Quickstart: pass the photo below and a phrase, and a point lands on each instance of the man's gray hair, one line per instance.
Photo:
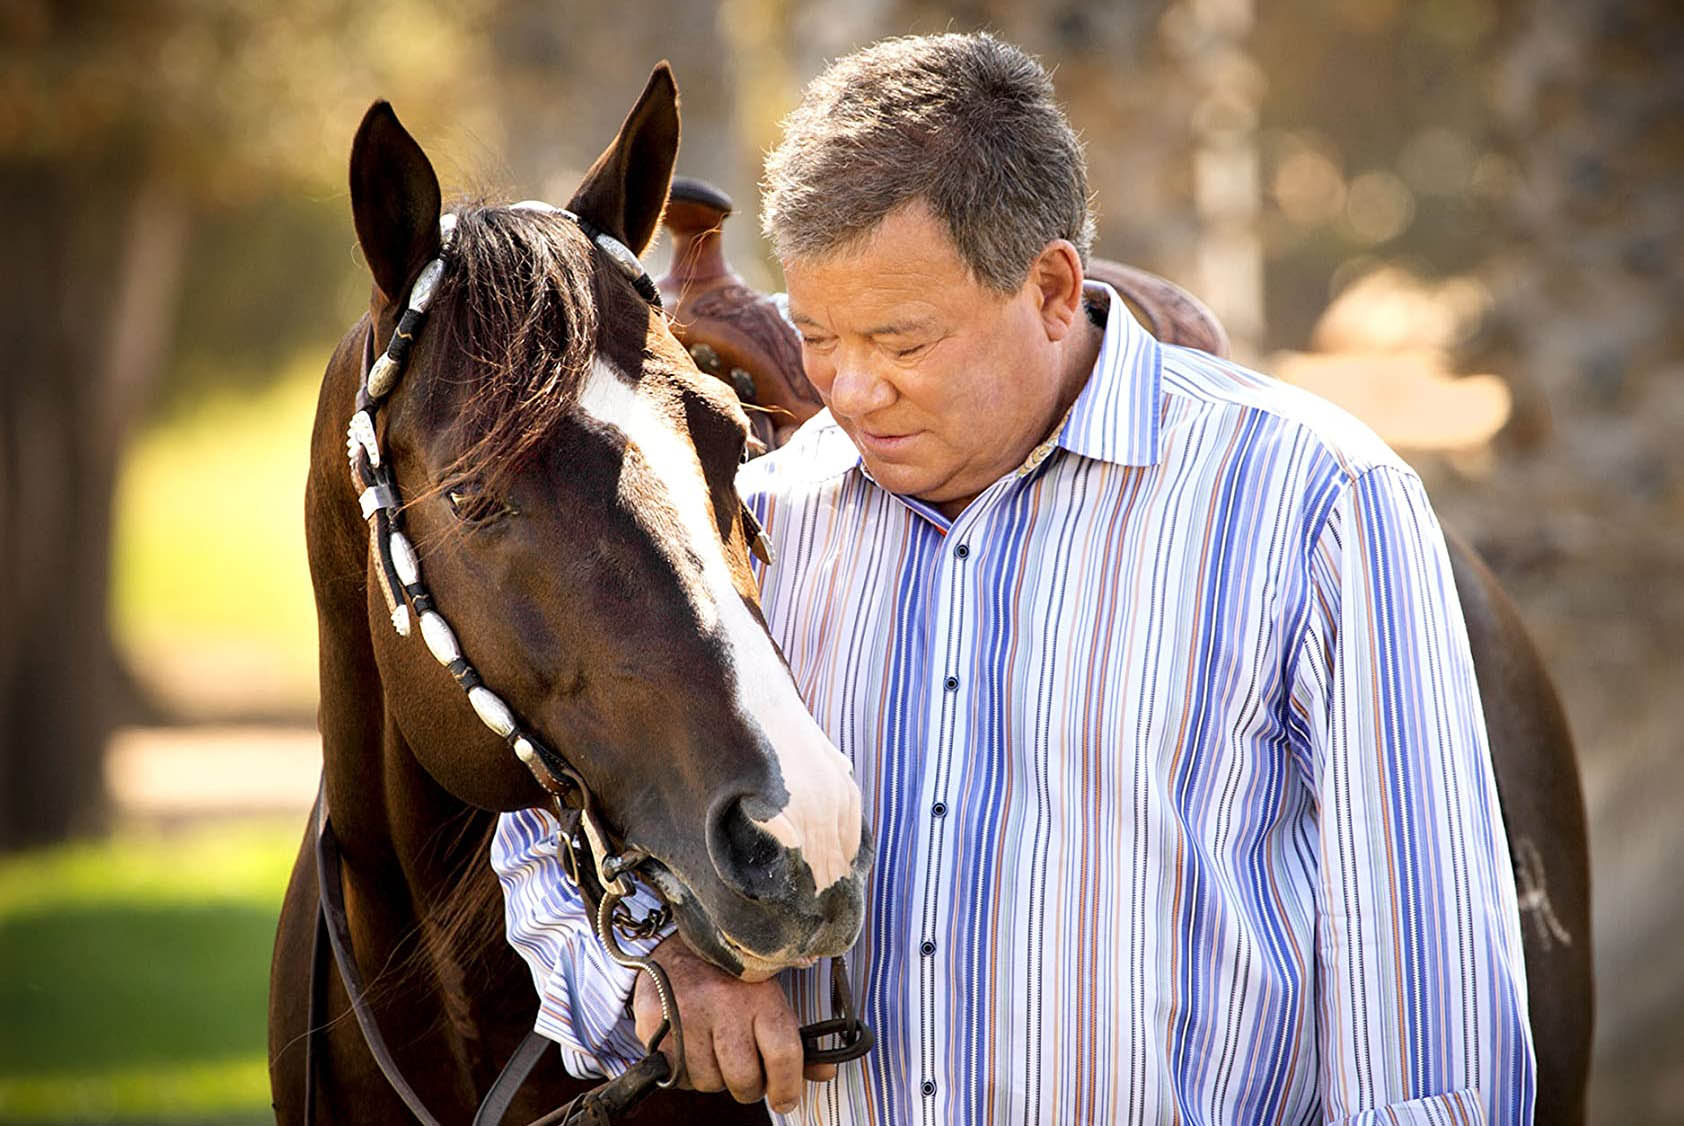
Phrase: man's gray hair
(966, 123)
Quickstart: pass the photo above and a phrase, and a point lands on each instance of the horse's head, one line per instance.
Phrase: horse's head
(567, 477)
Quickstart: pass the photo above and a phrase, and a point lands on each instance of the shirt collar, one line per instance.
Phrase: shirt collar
(1114, 418)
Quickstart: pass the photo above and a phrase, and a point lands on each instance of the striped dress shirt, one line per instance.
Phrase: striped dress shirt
(1174, 759)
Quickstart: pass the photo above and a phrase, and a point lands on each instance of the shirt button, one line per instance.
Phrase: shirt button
(929, 1088)
(963, 551)
(927, 949)
(939, 809)
(951, 683)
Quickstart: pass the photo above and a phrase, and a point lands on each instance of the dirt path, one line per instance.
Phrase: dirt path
(173, 774)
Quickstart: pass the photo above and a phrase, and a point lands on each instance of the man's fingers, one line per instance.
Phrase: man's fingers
(702, 1063)
(740, 1037)
(739, 1062)
(779, 1042)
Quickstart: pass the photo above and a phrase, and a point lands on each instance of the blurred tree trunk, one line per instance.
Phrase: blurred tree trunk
(561, 96)
(1585, 515)
(90, 296)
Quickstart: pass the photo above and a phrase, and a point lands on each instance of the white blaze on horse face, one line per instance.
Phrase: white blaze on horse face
(821, 819)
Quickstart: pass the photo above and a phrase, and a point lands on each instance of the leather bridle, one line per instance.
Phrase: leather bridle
(602, 871)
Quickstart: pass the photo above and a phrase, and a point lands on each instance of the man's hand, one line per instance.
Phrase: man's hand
(738, 1036)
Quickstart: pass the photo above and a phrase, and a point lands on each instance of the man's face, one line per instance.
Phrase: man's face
(944, 384)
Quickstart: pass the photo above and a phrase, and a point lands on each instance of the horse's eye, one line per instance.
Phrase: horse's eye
(471, 505)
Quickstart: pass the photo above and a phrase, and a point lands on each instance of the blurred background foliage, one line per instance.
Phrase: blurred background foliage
(1463, 219)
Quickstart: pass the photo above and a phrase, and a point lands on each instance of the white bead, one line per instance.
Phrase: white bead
(439, 638)
(400, 620)
(447, 228)
(492, 710)
(360, 436)
(383, 376)
(534, 205)
(404, 560)
(525, 751)
(622, 255)
(421, 293)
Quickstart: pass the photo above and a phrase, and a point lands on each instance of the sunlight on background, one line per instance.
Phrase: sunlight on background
(1413, 209)
(212, 596)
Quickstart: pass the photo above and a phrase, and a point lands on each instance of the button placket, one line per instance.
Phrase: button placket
(952, 633)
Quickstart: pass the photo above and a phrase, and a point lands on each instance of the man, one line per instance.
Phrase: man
(1151, 671)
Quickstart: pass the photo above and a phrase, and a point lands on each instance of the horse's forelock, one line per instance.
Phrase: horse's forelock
(515, 331)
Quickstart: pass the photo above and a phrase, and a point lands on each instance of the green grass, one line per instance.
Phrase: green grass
(134, 976)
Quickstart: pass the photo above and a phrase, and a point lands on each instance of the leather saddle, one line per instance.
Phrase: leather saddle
(740, 336)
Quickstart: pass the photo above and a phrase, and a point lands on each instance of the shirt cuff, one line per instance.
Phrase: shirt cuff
(585, 1005)
(1458, 1108)
(582, 992)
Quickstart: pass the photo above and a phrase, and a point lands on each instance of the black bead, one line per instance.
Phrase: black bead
(939, 809)
(927, 949)
(464, 674)
(963, 551)
(403, 339)
(929, 1088)
(646, 289)
(951, 683)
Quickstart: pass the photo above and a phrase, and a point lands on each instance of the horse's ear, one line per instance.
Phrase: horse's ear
(394, 199)
(626, 189)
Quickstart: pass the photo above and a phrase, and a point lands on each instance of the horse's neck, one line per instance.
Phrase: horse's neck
(425, 914)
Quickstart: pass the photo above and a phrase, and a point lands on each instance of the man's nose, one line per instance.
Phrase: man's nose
(857, 390)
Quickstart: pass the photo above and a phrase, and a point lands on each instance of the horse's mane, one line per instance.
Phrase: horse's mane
(517, 314)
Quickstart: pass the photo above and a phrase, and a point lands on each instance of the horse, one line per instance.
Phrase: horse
(589, 640)
(739, 337)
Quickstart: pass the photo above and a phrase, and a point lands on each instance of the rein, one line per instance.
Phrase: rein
(602, 874)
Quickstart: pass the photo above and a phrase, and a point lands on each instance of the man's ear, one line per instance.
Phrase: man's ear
(394, 200)
(626, 189)
(1056, 278)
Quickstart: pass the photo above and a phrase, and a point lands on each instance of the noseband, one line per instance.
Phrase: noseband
(602, 873)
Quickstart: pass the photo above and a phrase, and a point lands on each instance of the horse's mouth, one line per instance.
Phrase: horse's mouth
(708, 936)
(756, 968)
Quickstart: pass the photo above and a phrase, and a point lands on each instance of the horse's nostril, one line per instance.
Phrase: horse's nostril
(747, 858)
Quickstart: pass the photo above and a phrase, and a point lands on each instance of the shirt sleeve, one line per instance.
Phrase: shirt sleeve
(583, 994)
(1421, 981)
